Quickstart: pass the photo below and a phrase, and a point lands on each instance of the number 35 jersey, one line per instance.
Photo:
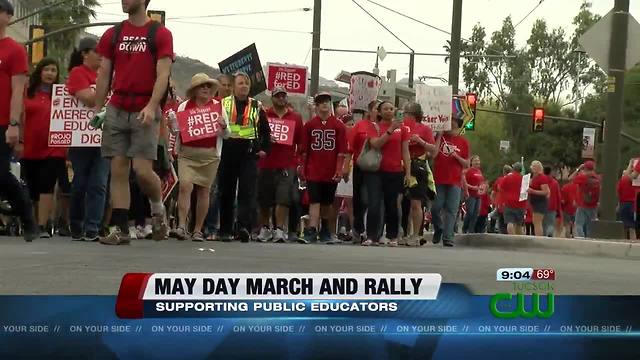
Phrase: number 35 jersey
(323, 142)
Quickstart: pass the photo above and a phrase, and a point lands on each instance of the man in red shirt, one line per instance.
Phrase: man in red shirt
(421, 147)
(473, 179)
(324, 147)
(626, 202)
(587, 198)
(277, 170)
(497, 198)
(13, 78)
(452, 159)
(569, 191)
(137, 56)
(554, 206)
(514, 210)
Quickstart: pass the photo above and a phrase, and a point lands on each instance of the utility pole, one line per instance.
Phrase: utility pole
(454, 59)
(610, 165)
(315, 47)
(412, 58)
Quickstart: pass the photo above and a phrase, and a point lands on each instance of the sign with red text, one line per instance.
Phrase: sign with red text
(282, 130)
(69, 126)
(171, 148)
(292, 77)
(363, 89)
(436, 103)
(169, 183)
(199, 123)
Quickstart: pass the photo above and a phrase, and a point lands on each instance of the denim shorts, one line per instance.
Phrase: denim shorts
(513, 216)
(627, 215)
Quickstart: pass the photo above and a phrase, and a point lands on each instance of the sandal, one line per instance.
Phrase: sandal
(197, 236)
(180, 234)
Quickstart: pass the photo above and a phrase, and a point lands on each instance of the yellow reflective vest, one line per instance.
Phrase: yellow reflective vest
(246, 130)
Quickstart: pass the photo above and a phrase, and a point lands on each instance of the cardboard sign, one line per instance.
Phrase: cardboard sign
(524, 187)
(199, 123)
(292, 77)
(247, 61)
(282, 130)
(345, 189)
(436, 105)
(169, 183)
(505, 145)
(69, 126)
(588, 143)
(363, 90)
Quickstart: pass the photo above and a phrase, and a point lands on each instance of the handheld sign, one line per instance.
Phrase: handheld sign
(292, 77)
(247, 61)
(199, 123)
(282, 130)
(69, 126)
(363, 89)
(436, 105)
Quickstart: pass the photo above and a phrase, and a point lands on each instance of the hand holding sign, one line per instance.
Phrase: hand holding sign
(282, 130)
(200, 123)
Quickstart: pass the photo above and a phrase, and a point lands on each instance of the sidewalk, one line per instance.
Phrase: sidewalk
(583, 247)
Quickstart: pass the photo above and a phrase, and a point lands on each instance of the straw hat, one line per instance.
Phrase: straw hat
(201, 79)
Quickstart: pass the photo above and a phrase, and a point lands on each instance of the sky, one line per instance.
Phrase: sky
(344, 26)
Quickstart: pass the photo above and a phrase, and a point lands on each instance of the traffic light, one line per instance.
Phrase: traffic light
(538, 120)
(472, 100)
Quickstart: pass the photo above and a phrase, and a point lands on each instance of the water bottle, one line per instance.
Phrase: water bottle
(173, 121)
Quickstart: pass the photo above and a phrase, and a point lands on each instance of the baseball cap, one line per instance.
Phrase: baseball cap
(321, 95)
(6, 6)
(278, 90)
(87, 44)
(589, 165)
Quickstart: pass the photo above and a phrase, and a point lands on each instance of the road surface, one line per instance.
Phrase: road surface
(61, 267)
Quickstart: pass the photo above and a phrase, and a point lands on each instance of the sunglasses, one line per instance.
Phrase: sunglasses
(206, 85)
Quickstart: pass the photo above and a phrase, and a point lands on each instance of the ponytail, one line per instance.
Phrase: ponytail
(76, 59)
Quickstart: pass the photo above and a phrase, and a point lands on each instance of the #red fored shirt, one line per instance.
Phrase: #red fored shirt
(283, 156)
(322, 142)
(424, 132)
(357, 135)
(447, 170)
(134, 70)
(626, 191)
(13, 61)
(80, 78)
(510, 191)
(392, 150)
(474, 177)
(37, 117)
(569, 193)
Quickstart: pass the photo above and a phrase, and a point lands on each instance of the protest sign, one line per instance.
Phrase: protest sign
(247, 61)
(524, 187)
(169, 183)
(363, 90)
(199, 123)
(588, 143)
(292, 77)
(345, 189)
(505, 145)
(69, 126)
(436, 105)
(282, 130)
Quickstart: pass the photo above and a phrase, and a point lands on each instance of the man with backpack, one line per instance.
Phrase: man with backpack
(587, 198)
(137, 56)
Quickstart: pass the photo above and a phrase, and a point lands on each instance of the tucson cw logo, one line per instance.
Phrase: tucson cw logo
(520, 310)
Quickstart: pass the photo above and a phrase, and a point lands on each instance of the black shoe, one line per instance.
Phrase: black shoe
(225, 238)
(310, 235)
(64, 231)
(437, 237)
(31, 232)
(243, 235)
(447, 243)
(91, 237)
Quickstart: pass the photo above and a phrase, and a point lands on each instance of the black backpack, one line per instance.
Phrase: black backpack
(151, 45)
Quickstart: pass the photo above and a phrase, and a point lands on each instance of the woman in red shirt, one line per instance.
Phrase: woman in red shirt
(473, 179)
(42, 165)
(539, 192)
(198, 159)
(386, 184)
(626, 203)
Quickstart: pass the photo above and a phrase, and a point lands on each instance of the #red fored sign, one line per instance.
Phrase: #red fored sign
(292, 77)
(199, 123)
(282, 130)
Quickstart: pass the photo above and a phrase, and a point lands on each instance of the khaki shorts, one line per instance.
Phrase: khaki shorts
(198, 166)
(124, 135)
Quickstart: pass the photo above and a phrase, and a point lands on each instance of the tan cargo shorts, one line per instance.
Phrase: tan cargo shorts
(124, 135)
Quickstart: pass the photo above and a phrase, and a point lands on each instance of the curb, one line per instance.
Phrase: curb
(582, 247)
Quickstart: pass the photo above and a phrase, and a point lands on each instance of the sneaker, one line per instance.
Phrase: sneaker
(325, 236)
(146, 232)
(310, 235)
(44, 234)
(293, 237)
(133, 233)
(279, 237)
(180, 234)
(346, 237)
(115, 237)
(89, 237)
(393, 243)
(384, 241)
(404, 241)
(197, 237)
(243, 235)
(265, 235)
(159, 227)
(76, 237)
(437, 236)
(226, 238)
(367, 243)
(64, 231)
(447, 243)
(413, 241)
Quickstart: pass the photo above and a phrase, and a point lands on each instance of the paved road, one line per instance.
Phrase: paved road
(60, 266)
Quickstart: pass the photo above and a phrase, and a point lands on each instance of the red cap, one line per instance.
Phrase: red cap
(589, 165)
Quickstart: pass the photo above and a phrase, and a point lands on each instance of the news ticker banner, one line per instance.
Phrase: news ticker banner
(456, 324)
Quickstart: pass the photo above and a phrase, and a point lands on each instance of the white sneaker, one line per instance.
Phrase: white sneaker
(412, 241)
(279, 236)
(404, 241)
(133, 233)
(265, 235)
(146, 232)
(383, 241)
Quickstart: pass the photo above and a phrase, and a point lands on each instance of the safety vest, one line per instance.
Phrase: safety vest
(247, 130)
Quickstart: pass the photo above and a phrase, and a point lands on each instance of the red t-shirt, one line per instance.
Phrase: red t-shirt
(447, 170)
(37, 117)
(555, 201)
(510, 190)
(322, 142)
(13, 61)
(581, 180)
(537, 182)
(474, 178)
(425, 134)
(202, 143)
(358, 134)
(392, 150)
(81, 78)
(498, 201)
(626, 191)
(283, 156)
(134, 70)
(485, 204)
(569, 193)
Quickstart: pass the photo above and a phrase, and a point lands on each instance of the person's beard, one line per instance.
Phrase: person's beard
(134, 8)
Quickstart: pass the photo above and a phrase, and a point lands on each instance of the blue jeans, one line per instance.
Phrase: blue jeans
(88, 190)
(470, 219)
(584, 217)
(445, 210)
(549, 223)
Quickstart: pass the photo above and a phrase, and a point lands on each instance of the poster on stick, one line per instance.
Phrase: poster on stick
(247, 61)
(282, 130)
(524, 187)
(436, 105)
(199, 123)
(292, 77)
(69, 125)
(588, 143)
(363, 90)
(169, 183)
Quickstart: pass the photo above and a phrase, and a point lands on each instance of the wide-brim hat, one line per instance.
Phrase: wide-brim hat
(201, 79)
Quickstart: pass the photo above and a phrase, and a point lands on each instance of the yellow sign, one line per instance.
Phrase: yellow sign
(37, 50)
(157, 15)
